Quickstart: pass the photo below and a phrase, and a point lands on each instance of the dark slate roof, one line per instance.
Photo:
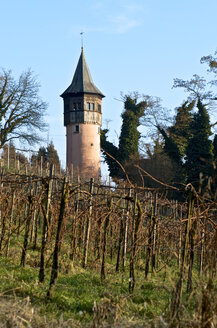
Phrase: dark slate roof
(82, 80)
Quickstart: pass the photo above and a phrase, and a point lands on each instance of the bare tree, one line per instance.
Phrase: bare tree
(196, 87)
(21, 109)
(211, 61)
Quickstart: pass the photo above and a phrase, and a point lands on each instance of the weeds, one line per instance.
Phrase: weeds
(98, 256)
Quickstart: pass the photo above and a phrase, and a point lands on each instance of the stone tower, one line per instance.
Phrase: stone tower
(82, 118)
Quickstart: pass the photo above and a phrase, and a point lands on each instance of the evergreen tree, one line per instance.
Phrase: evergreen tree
(176, 139)
(199, 152)
(215, 166)
(172, 150)
(52, 155)
(180, 132)
(48, 155)
(171, 147)
(42, 152)
(215, 147)
(129, 136)
(128, 140)
(110, 153)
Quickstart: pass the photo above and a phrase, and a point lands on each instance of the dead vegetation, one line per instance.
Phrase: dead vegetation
(19, 313)
(135, 241)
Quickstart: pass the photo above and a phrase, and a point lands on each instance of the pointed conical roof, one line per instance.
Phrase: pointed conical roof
(82, 80)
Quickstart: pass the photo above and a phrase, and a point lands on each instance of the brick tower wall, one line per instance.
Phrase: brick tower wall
(83, 149)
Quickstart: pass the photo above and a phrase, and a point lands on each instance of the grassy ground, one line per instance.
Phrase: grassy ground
(80, 298)
(77, 292)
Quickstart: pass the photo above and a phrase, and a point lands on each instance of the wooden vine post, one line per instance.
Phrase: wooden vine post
(151, 242)
(126, 223)
(55, 265)
(88, 224)
(135, 228)
(27, 231)
(10, 224)
(106, 223)
(154, 237)
(46, 213)
(177, 294)
(120, 241)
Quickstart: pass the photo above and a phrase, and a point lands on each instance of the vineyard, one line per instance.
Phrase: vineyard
(102, 254)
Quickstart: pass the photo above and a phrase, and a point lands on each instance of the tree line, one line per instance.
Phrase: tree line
(183, 151)
(14, 159)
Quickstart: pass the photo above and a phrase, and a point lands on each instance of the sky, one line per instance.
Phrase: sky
(129, 45)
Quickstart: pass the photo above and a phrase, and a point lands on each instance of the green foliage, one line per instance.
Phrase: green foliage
(129, 137)
(215, 147)
(158, 166)
(170, 147)
(110, 153)
(176, 139)
(52, 156)
(188, 138)
(42, 153)
(180, 132)
(175, 166)
(177, 136)
(199, 152)
(48, 155)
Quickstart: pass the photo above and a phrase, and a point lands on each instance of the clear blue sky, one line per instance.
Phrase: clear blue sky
(130, 45)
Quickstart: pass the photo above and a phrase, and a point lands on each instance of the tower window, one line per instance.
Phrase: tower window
(99, 108)
(90, 106)
(74, 106)
(76, 129)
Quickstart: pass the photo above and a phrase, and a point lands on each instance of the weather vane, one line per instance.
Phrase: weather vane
(81, 34)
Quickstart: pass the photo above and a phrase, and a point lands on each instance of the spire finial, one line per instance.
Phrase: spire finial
(82, 46)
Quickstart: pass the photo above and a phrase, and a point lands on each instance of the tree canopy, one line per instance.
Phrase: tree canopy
(128, 148)
(46, 155)
(199, 151)
(21, 109)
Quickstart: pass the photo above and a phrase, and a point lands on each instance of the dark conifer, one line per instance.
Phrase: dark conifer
(180, 132)
(128, 140)
(199, 152)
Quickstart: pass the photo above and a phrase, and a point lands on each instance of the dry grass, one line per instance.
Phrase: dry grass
(19, 313)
